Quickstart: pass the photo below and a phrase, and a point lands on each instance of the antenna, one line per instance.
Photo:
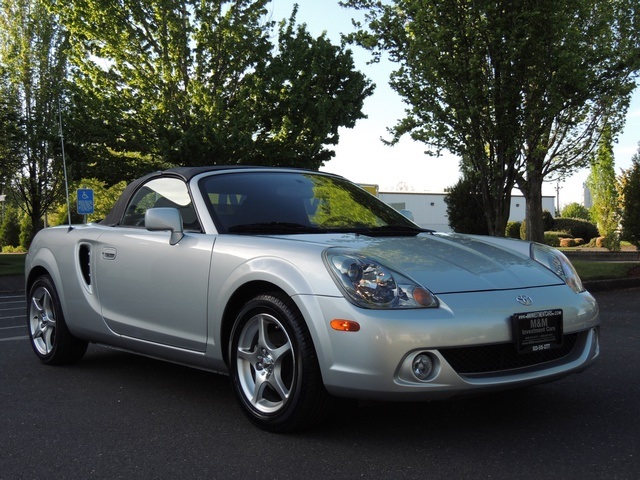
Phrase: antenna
(64, 167)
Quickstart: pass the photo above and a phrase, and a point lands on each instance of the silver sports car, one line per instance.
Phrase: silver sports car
(303, 288)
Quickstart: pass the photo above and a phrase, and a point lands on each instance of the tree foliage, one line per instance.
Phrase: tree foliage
(185, 82)
(602, 183)
(518, 89)
(464, 208)
(575, 210)
(630, 192)
(33, 58)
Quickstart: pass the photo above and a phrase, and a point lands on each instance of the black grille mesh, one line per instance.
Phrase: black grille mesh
(501, 357)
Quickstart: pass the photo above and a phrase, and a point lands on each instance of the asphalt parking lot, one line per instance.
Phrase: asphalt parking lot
(117, 415)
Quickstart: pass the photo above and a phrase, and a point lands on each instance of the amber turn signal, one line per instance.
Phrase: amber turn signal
(345, 325)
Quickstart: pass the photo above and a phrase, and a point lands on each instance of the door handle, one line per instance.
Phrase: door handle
(109, 253)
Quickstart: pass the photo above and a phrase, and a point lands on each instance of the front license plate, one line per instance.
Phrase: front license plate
(537, 331)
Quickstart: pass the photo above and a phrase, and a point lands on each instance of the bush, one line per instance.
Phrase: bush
(552, 239)
(513, 230)
(547, 220)
(12, 249)
(10, 235)
(560, 233)
(610, 242)
(576, 227)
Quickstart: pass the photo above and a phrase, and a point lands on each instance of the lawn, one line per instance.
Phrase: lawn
(12, 264)
(589, 270)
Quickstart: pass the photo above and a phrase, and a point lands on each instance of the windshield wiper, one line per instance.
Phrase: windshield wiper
(274, 228)
(392, 231)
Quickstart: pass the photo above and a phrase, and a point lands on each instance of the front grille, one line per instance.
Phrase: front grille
(502, 356)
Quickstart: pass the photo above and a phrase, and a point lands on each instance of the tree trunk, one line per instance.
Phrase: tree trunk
(532, 191)
(496, 209)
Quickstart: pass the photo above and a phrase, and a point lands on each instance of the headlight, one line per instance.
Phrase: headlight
(370, 284)
(556, 261)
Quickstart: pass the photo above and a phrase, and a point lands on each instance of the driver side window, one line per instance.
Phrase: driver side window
(162, 192)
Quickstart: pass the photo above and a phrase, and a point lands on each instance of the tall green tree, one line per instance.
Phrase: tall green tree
(186, 82)
(602, 184)
(518, 89)
(630, 193)
(10, 133)
(33, 58)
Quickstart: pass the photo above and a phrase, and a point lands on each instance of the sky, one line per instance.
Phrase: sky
(363, 158)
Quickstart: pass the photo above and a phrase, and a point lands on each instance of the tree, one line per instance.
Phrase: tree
(630, 192)
(575, 210)
(10, 134)
(517, 89)
(185, 82)
(603, 186)
(104, 199)
(33, 59)
(464, 207)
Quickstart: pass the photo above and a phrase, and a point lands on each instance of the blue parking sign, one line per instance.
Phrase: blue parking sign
(85, 201)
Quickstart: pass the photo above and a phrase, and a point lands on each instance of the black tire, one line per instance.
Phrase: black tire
(273, 366)
(50, 338)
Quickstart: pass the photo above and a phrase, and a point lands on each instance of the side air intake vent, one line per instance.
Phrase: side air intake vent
(84, 257)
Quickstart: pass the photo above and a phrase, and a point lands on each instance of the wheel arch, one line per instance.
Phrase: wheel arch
(305, 304)
(44, 263)
(239, 298)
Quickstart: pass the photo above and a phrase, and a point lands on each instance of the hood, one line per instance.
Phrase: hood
(449, 263)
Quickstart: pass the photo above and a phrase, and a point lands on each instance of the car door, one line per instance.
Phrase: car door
(149, 289)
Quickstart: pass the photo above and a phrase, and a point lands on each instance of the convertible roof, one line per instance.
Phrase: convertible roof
(186, 173)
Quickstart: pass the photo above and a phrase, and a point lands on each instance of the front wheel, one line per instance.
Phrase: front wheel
(50, 338)
(273, 366)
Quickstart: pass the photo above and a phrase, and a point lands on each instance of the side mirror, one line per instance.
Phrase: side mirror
(165, 218)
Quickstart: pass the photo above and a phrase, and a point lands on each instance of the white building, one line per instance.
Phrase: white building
(429, 210)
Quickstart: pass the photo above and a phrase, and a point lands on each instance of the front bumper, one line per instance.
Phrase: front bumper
(459, 337)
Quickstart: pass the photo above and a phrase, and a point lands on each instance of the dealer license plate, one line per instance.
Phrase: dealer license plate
(537, 331)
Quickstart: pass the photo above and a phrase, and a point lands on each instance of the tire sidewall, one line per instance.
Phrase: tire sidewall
(65, 347)
(275, 306)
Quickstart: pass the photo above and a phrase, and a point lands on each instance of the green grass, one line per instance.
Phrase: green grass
(589, 270)
(12, 264)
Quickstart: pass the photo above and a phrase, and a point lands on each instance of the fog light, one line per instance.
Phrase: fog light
(422, 366)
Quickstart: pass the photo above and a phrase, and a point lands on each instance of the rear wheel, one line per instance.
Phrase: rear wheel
(50, 338)
(273, 366)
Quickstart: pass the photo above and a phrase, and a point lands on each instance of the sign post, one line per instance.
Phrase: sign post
(85, 202)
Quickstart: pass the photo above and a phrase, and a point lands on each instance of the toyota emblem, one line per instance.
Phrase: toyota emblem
(524, 300)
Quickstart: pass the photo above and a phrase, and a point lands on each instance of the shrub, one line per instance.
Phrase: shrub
(552, 239)
(513, 230)
(561, 233)
(610, 242)
(547, 220)
(10, 235)
(12, 249)
(576, 227)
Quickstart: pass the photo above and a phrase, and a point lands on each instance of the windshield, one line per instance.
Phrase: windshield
(292, 202)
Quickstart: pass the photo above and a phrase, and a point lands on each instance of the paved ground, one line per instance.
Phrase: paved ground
(116, 415)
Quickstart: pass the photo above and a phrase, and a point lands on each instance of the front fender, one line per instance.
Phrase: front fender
(283, 275)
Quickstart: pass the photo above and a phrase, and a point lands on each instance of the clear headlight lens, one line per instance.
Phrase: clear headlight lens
(558, 263)
(370, 284)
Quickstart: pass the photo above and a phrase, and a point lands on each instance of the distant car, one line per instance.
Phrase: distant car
(303, 287)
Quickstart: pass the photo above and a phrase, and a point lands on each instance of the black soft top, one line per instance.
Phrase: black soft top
(185, 173)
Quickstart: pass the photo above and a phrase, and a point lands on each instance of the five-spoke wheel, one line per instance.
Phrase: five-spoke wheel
(50, 338)
(273, 365)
